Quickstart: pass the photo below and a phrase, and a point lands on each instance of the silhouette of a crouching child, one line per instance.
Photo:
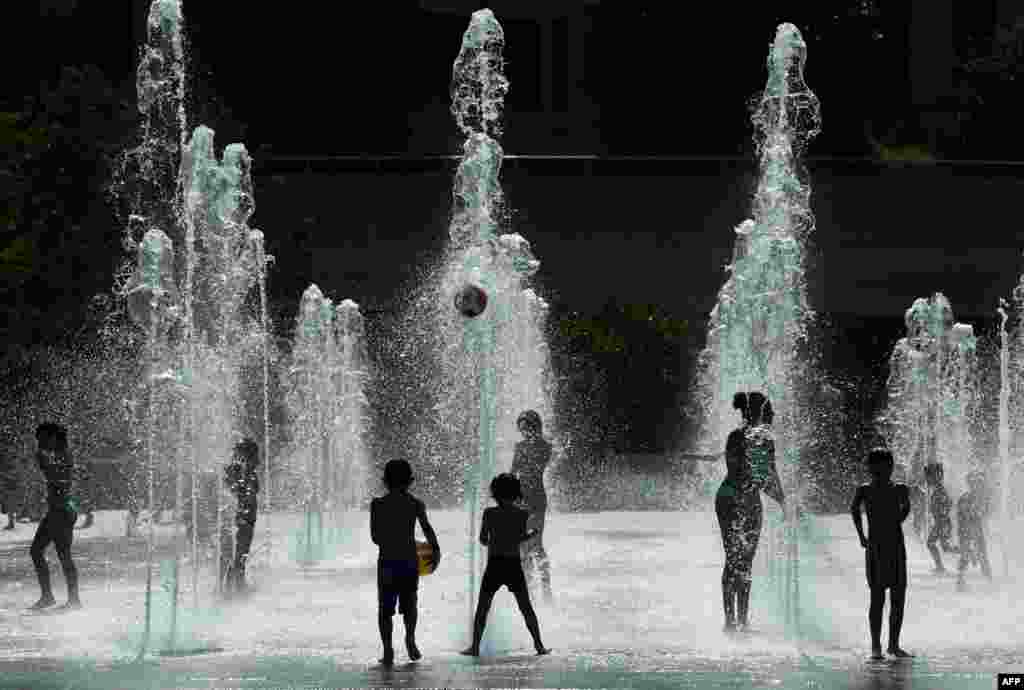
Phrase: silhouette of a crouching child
(887, 505)
(392, 527)
(502, 530)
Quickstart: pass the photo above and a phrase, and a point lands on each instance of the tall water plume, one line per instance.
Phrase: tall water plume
(757, 331)
(191, 292)
(327, 464)
(488, 368)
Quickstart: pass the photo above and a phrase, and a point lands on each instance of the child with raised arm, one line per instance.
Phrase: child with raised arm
(502, 530)
(392, 527)
(940, 505)
(887, 505)
(58, 524)
(971, 510)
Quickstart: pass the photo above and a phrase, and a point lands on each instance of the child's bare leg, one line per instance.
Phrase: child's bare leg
(409, 616)
(483, 606)
(897, 598)
(385, 625)
(541, 564)
(743, 601)
(729, 598)
(875, 621)
(933, 549)
(982, 547)
(530, 616)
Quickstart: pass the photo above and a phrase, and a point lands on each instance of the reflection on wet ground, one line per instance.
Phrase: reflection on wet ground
(636, 607)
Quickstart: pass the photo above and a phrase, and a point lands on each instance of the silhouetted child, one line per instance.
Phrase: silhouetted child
(750, 469)
(58, 524)
(532, 456)
(392, 527)
(887, 506)
(971, 510)
(502, 530)
(940, 505)
(242, 480)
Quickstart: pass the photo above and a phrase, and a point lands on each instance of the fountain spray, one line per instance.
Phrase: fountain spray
(185, 198)
(485, 379)
(757, 330)
(1004, 434)
(931, 396)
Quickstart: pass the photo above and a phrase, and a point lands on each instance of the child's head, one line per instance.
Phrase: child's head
(880, 463)
(52, 436)
(506, 487)
(397, 474)
(739, 402)
(933, 473)
(755, 407)
(529, 423)
(247, 452)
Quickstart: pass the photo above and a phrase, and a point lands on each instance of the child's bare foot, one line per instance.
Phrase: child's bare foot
(897, 652)
(876, 653)
(541, 650)
(43, 603)
(412, 649)
(470, 651)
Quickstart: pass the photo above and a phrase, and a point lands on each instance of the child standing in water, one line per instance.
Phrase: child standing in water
(502, 530)
(887, 506)
(971, 510)
(750, 467)
(942, 525)
(392, 527)
(58, 524)
(532, 456)
(242, 480)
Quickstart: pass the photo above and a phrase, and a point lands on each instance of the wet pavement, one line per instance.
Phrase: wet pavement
(637, 606)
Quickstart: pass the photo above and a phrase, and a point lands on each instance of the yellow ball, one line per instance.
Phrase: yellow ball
(423, 552)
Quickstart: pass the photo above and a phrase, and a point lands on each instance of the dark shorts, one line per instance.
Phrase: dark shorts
(397, 581)
(58, 527)
(503, 570)
(886, 562)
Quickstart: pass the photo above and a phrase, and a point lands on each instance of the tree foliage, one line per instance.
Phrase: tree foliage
(58, 236)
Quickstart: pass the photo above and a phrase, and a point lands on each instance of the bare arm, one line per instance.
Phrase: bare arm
(518, 459)
(374, 520)
(904, 499)
(734, 450)
(485, 533)
(773, 485)
(428, 529)
(855, 510)
(527, 533)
